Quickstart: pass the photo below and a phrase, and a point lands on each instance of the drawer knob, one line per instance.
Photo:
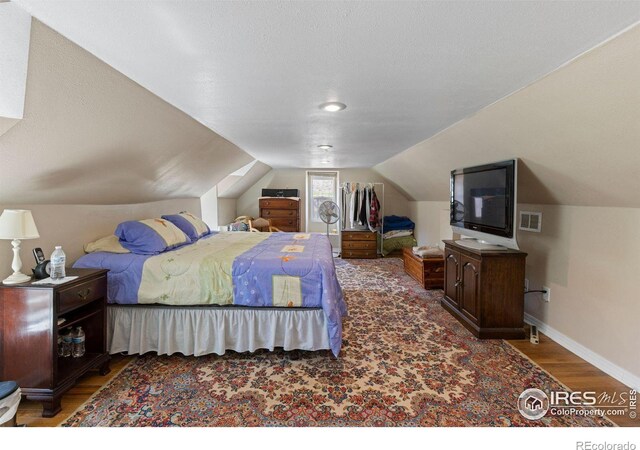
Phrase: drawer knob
(84, 294)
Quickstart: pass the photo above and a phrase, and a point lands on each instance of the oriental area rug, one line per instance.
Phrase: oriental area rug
(405, 362)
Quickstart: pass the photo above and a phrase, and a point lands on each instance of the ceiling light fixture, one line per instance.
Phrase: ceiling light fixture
(325, 146)
(332, 106)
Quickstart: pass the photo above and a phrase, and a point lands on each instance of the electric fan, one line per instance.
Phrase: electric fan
(329, 213)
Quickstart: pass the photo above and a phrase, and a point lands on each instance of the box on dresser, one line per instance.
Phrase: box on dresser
(29, 316)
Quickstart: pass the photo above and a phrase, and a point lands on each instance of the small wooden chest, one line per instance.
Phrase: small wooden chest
(429, 272)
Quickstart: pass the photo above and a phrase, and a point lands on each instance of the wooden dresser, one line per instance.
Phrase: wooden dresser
(29, 316)
(485, 290)
(283, 212)
(429, 272)
(359, 244)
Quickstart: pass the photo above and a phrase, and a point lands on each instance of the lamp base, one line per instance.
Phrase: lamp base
(16, 278)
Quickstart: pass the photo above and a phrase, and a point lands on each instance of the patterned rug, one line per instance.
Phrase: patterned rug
(405, 362)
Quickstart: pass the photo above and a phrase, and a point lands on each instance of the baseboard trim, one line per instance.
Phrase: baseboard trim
(617, 372)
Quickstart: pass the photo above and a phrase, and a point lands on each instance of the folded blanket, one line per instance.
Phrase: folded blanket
(427, 252)
(397, 233)
(397, 243)
(392, 223)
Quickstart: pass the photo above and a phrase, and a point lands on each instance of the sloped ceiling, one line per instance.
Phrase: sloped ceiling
(577, 132)
(234, 186)
(90, 135)
(256, 71)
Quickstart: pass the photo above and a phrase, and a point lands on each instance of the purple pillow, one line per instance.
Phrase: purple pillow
(150, 236)
(191, 225)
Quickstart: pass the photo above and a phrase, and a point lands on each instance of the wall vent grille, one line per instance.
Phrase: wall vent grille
(531, 221)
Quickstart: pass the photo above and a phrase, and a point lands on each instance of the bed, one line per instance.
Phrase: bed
(227, 291)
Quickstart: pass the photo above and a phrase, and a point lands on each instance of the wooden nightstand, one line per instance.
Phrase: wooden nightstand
(29, 334)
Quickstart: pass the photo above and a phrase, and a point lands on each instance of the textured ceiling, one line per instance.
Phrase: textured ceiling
(255, 72)
(90, 135)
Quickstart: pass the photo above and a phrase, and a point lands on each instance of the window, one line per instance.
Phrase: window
(321, 187)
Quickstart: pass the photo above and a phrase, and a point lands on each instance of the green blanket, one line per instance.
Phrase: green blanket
(389, 245)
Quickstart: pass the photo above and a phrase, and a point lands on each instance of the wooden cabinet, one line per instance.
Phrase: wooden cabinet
(283, 212)
(29, 316)
(429, 272)
(359, 244)
(485, 290)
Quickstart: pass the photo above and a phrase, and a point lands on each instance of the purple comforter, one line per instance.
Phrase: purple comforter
(306, 273)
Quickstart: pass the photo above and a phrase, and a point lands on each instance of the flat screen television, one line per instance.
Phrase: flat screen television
(483, 202)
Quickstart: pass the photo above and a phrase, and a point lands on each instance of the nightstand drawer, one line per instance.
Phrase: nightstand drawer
(363, 245)
(81, 294)
(359, 254)
(278, 203)
(358, 236)
(279, 213)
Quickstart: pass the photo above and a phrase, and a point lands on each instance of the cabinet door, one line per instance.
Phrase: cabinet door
(470, 294)
(451, 272)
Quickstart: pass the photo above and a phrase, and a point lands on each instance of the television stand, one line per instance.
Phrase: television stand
(484, 290)
(475, 244)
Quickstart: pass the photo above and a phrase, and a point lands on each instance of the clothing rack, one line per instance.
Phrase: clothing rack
(375, 185)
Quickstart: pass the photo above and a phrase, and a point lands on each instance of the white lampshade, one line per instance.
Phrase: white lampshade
(17, 224)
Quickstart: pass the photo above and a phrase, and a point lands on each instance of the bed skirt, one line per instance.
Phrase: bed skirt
(203, 330)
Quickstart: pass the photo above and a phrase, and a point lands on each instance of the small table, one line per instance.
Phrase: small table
(429, 272)
(32, 316)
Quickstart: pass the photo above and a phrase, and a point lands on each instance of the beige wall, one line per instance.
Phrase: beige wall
(589, 257)
(432, 222)
(74, 225)
(226, 210)
(247, 204)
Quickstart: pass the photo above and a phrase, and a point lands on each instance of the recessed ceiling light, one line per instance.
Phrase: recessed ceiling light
(332, 106)
(325, 146)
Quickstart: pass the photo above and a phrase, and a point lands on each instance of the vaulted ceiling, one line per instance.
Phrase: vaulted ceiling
(134, 101)
(255, 72)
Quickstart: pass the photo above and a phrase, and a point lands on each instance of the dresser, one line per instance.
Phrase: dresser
(284, 213)
(31, 317)
(359, 244)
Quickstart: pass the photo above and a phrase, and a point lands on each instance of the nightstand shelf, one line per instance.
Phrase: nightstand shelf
(29, 326)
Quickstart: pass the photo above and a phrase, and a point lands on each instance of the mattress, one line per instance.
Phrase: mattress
(247, 269)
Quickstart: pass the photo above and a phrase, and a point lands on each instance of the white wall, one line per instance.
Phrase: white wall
(432, 222)
(209, 207)
(226, 210)
(590, 258)
(72, 226)
(394, 201)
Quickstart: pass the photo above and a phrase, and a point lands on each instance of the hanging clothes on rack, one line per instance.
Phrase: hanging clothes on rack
(361, 207)
(374, 210)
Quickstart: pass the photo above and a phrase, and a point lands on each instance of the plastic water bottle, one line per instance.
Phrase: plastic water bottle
(67, 342)
(78, 343)
(58, 260)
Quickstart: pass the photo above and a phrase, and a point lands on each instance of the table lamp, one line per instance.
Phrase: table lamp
(17, 224)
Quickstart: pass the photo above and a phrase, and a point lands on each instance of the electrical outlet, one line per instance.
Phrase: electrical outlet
(526, 285)
(546, 296)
